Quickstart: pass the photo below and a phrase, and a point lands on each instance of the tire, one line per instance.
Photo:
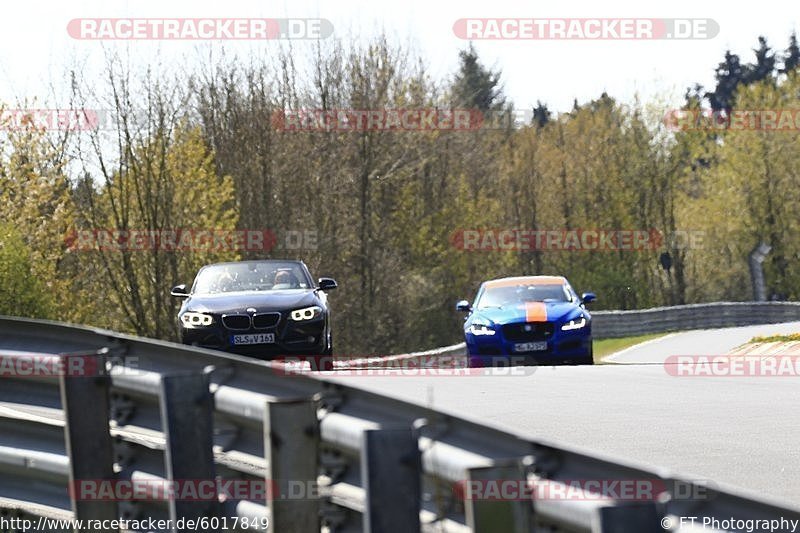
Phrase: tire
(588, 359)
(322, 363)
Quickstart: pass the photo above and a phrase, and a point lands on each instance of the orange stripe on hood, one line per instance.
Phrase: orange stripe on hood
(535, 312)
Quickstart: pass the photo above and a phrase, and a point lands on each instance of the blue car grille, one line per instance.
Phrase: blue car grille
(527, 332)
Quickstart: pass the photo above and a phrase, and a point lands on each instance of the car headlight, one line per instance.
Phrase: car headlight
(196, 319)
(576, 323)
(481, 329)
(307, 313)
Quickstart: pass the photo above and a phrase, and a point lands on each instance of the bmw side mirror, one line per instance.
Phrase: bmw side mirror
(327, 284)
(179, 291)
(587, 297)
(463, 306)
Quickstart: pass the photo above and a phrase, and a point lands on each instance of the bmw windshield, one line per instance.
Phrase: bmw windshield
(253, 276)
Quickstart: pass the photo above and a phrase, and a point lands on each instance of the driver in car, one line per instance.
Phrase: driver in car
(284, 279)
(226, 282)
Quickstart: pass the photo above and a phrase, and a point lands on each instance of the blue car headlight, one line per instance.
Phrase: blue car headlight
(575, 323)
(480, 329)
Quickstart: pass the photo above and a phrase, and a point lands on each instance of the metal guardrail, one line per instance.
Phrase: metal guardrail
(606, 324)
(164, 412)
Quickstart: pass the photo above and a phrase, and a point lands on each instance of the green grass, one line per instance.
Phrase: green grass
(792, 337)
(605, 347)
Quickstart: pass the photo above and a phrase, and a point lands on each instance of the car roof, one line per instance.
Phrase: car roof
(525, 280)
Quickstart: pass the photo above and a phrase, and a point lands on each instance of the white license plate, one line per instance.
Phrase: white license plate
(256, 338)
(531, 346)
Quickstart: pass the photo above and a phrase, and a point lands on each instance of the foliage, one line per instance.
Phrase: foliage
(386, 206)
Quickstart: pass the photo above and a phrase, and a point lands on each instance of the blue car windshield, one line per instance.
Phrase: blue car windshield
(520, 294)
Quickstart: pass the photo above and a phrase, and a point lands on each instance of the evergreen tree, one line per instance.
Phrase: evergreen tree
(541, 115)
(694, 96)
(792, 58)
(475, 86)
(729, 75)
(764, 67)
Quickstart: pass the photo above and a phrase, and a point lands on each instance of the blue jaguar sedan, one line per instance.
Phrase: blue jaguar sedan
(528, 320)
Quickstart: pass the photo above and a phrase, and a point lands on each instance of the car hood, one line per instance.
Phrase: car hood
(261, 301)
(530, 312)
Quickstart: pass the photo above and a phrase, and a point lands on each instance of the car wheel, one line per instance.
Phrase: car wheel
(322, 363)
(588, 359)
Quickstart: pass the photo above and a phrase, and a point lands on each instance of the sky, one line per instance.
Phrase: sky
(39, 49)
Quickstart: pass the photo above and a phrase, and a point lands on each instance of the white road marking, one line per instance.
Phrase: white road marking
(637, 346)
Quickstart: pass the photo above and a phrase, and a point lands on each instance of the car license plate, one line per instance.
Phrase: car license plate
(256, 338)
(531, 346)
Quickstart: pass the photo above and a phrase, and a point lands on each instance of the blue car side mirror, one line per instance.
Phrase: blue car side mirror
(587, 297)
(463, 306)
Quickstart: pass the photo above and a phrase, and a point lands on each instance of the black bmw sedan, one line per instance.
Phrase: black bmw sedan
(263, 309)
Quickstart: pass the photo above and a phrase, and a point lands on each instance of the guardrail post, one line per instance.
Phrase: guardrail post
(291, 445)
(496, 498)
(391, 477)
(629, 518)
(186, 416)
(84, 387)
(756, 261)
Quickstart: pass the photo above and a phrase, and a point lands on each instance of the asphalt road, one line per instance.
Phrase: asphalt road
(698, 342)
(737, 431)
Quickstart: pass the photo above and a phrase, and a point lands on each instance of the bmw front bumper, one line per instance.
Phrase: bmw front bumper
(291, 338)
